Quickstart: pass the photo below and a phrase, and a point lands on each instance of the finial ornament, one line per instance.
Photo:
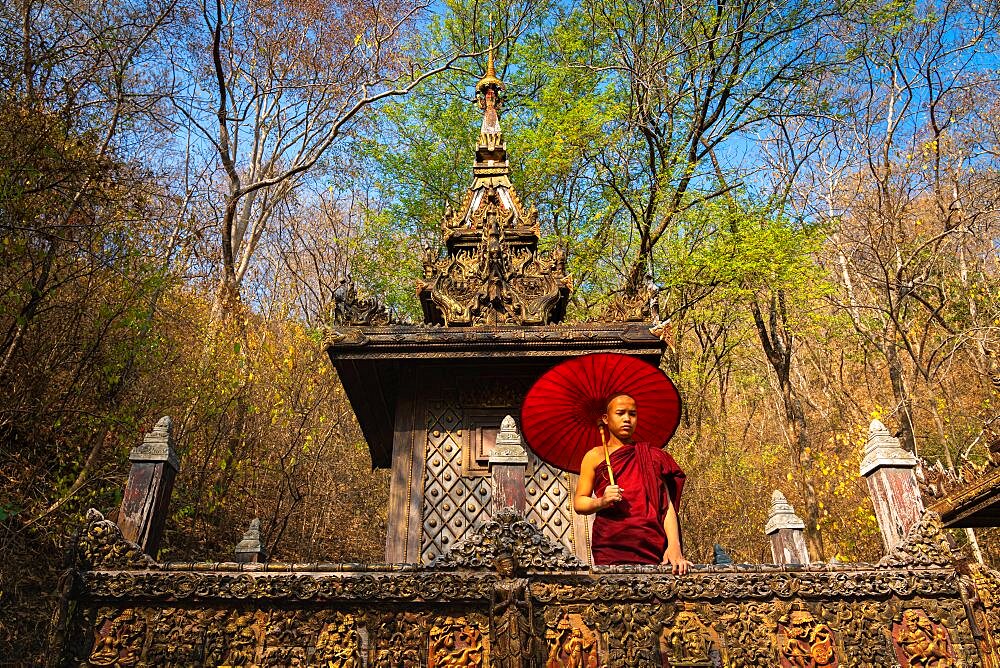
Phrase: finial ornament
(158, 445)
(250, 548)
(490, 79)
(782, 515)
(489, 95)
(883, 449)
(509, 446)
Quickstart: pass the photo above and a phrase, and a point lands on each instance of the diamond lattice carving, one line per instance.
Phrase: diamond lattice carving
(453, 504)
(549, 501)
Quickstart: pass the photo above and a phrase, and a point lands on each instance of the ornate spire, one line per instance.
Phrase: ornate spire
(494, 273)
(491, 151)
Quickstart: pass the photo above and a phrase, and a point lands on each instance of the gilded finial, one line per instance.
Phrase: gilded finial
(490, 78)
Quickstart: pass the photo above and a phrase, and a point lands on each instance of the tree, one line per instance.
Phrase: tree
(74, 89)
(900, 179)
(692, 80)
(273, 86)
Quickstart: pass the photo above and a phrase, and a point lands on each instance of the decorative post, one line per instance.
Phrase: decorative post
(508, 462)
(892, 483)
(786, 530)
(720, 557)
(249, 550)
(147, 492)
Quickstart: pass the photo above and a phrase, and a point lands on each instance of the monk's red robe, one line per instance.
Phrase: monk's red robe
(631, 530)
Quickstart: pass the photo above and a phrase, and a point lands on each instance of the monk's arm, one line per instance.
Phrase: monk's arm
(583, 501)
(672, 527)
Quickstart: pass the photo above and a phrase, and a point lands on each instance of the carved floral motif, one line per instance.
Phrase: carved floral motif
(102, 546)
(175, 636)
(244, 633)
(399, 641)
(925, 545)
(749, 636)
(338, 644)
(509, 533)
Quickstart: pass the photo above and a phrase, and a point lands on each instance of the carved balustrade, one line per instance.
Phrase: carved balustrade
(508, 596)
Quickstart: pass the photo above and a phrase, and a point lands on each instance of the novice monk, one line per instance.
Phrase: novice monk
(636, 519)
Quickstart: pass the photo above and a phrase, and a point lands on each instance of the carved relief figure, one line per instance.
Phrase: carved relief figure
(455, 644)
(571, 645)
(338, 645)
(284, 643)
(919, 641)
(511, 635)
(400, 644)
(243, 634)
(688, 644)
(119, 639)
(805, 642)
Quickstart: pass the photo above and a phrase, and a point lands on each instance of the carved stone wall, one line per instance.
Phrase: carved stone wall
(507, 596)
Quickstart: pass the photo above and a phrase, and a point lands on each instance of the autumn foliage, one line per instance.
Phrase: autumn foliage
(183, 184)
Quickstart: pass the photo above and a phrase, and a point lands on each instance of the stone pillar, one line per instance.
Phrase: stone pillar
(147, 492)
(508, 462)
(892, 482)
(786, 531)
(250, 550)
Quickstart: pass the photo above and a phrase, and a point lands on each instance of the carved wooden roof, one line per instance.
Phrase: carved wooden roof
(972, 504)
(492, 272)
(371, 360)
(421, 341)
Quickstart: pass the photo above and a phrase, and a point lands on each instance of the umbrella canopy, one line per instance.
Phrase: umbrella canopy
(562, 410)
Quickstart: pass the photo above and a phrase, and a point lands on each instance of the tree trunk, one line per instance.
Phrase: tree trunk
(777, 341)
(902, 396)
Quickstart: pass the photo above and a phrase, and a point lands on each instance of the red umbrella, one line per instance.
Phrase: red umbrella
(562, 410)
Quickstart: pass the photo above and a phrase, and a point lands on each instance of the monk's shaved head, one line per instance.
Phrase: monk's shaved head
(607, 402)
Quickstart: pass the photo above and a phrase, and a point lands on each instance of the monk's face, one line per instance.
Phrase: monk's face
(621, 417)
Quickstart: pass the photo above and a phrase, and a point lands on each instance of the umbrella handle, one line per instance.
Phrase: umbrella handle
(607, 458)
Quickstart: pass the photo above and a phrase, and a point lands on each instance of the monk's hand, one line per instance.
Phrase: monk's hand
(612, 495)
(678, 564)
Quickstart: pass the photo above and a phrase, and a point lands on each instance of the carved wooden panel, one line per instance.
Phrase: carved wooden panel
(912, 609)
(481, 428)
(403, 538)
(549, 497)
(453, 503)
